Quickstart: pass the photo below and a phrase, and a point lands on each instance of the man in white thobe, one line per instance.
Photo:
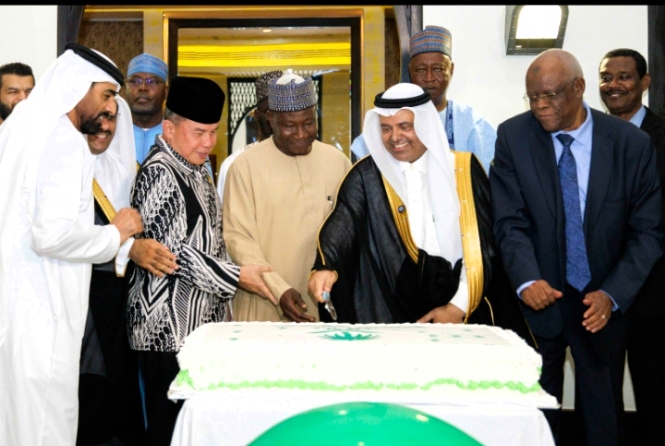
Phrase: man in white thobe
(48, 241)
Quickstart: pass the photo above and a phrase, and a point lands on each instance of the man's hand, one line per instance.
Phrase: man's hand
(599, 312)
(540, 294)
(251, 281)
(128, 221)
(319, 282)
(294, 307)
(447, 314)
(153, 256)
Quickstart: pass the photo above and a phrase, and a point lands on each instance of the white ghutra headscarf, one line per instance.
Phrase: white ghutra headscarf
(441, 175)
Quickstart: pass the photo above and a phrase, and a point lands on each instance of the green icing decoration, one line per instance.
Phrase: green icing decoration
(183, 378)
(346, 336)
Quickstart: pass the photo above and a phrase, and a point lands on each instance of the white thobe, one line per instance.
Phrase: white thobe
(421, 221)
(47, 299)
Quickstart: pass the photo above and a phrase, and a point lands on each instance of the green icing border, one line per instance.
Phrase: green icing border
(183, 378)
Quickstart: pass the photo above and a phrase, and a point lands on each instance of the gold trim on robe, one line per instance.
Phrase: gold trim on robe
(473, 255)
(401, 217)
(103, 201)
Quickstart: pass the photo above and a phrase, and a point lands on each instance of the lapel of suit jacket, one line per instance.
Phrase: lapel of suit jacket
(544, 161)
(600, 170)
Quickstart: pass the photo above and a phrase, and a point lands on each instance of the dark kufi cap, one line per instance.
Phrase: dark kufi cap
(96, 58)
(432, 39)
(196, 98)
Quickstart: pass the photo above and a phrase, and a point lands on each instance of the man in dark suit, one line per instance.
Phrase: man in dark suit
(577, 207)
(623, 78)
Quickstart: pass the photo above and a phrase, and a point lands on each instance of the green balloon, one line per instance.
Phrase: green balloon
(363, 424)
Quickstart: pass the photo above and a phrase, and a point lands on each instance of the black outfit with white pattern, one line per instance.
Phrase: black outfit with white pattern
(180, 209)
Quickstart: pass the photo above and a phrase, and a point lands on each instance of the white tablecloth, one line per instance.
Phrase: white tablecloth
(223, 418)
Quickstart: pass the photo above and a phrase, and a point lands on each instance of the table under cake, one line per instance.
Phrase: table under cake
(241, 379)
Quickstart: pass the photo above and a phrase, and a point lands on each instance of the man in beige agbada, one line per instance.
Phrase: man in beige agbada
(275, 199)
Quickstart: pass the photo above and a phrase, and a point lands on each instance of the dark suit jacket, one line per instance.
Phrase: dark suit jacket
(651, 299)
(622, 220)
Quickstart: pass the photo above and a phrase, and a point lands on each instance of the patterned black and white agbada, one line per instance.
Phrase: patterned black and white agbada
(181, 209)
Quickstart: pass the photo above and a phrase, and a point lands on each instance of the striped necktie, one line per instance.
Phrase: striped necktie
(577, 264)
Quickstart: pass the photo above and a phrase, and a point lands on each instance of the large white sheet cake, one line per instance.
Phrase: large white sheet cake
(402, 363)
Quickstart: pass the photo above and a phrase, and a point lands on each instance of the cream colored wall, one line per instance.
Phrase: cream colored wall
(28, 34)
(336, 110)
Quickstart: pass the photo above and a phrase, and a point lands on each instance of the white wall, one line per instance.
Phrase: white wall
(493, 83)
(29, 35)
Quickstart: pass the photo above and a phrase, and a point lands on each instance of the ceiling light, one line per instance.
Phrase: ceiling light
(266, 30)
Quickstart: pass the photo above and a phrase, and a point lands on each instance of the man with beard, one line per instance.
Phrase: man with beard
(109, 400)
(146, 92)
(623, 79)
(431, 67)
(265, 131)
(16, 83)
(276, 197)
(48, 241)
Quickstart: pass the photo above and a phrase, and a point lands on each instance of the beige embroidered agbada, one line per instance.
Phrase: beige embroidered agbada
(274, 205)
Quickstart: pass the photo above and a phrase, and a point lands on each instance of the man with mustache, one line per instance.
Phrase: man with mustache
(109, 400)
(577, 218)
(146, 92)
(16, 83)
(431, 67)
(623, 79)
(48, 242)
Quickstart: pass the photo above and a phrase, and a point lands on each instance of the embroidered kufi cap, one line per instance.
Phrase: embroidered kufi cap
(196, 98)
(261, 84)
(98, 59)
(432, 39)
(147, 63)
(291, 93)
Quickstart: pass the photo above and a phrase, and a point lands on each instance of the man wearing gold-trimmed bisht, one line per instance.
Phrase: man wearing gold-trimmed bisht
(410, 238)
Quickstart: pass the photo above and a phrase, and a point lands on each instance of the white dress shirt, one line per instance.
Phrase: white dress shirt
(421, 220)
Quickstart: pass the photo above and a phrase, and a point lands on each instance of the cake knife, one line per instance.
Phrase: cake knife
(328, 304)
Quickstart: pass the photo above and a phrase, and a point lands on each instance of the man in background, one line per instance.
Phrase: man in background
(265, 130)
(146, 92)
(276, 197)
(16, 83)
(109, 401)
(431, 67)
(623, 78)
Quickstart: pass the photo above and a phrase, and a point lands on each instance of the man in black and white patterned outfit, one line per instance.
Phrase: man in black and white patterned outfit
(177, 199)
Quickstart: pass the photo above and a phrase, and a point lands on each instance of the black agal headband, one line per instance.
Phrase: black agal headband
(97, 60)
(381, 102)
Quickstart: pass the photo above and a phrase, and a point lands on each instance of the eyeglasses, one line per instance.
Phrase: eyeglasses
(549, 97)
(150, 82)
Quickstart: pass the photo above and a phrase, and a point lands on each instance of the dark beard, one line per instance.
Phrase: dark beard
(5, 111)
(91, 126)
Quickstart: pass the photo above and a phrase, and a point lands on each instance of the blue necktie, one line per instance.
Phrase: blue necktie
(577, 264)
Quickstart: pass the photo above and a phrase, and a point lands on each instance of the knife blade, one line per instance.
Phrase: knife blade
(329, 306)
